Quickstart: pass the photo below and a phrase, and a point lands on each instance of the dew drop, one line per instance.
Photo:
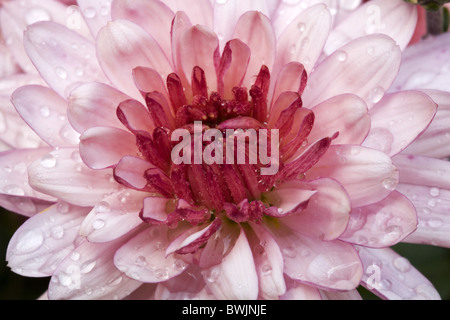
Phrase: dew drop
(161, 274)
(115, 281)
(389, 184)
(98, 224)
(426, 292)
(57, 232)
(266, 270)
(376, 94)
(89, 12)
(103, 207)
(30, 241)
(62, 207)
(13, 190)
(434, 192)
(435, 223)
(179, 264)
(75, 256)
(289, 252)
(88, 266)
(402, 264)
(301, 27)
(141, 261)
(342, 56)
(44, 112)
(212, 275)
(48, 161)
(61, 73)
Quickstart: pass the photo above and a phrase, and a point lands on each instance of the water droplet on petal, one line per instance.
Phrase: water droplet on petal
(75, 256)
(61, 73)
(48, 161)
(389, 184)
(212, 275)
(434, 192)
(141, 261)
(402, 264)
(44, 112)
(161, 274)
(289, 252)
(266, 270)
(88, 266)
(342, 56)
(98, 224)
(301, 27)
(14, 190)
(57, 232)
(376, 94)
(89, 12)
(30, 241)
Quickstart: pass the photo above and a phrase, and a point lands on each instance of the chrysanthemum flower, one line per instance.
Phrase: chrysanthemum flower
(113, 216)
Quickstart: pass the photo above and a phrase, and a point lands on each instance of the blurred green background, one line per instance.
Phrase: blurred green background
(433, 262)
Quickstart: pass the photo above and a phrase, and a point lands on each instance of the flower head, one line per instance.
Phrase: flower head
(218, 149)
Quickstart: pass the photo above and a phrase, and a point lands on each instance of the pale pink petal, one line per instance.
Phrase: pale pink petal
(135, 116)
(325, 264)
(255, 30)
(43, 241)
(180, 25)
(17, 15)
(344, 295)
(10, 83)
(235, 58)
(382, 224)
(45, 113)
(143, 257)
(290, 195)
(25, 206)
(434, 142)
(268, 262)
(130, 172)
(123, 46)
(63, 175)
(398, 119)
(88, 272)
(368, 175)
(94, 104)
(425, 65)
(153, 16)
(113, 217)
(96, 13)
(103, 147)
(346, 114)
(14, 175)
(199, 12)
(14, 131)
(291, 78)
(227, 13)
(365, 67)
(149, 80)
(299, 291)
(198, 46)
(236, 277)
(327, 213)
(50, 47)
(303, 39)
(391, 276)
(433, 205)
(423, 171)
(396, 19)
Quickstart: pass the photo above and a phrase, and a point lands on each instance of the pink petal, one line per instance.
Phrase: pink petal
(135, 116)
(425, 65)
(198, 46)
(398, 119)
(255, 30)
(291, 78)
(365, 67)
(153, 16)
(63, 175)
(44, 240)
(391, 276)
(149, 80)
(143, 257)
(290, 195)
(327, 213)
(345, 295)
(130, 172)
(432, 206)
(88, 272)
(303, 39)
(434, 142)
(95, 13)
(396, 19)
(180, 25)
(346, 114)
(382, 224)
(45, 112)
(14, 176)
(123, 46)
(299, 291)
(50, 47)
(367, 175)
(268, 261)
(325, 264)
(27, 207)
(200, 12)
(233, 66)
(93, 105)
(113, 217)
(103, 147)
(236, 277)
(156, 209)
